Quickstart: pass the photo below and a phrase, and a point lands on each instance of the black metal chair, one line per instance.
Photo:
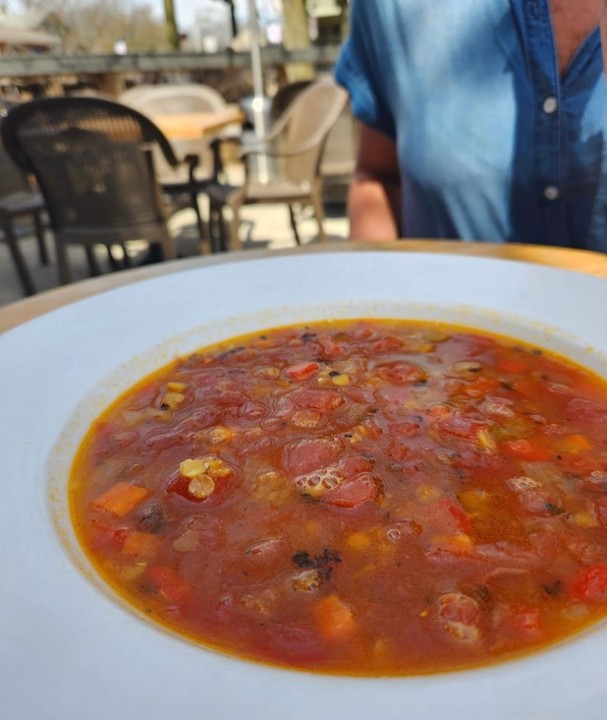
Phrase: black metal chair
(92, 159)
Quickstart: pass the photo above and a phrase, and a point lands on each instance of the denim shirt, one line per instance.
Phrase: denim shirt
(492, 143)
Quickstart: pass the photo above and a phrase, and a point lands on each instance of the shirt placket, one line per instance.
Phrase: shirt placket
(547, 156)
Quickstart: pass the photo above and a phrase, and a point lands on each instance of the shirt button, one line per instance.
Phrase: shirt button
(551, 192)
(550, 105)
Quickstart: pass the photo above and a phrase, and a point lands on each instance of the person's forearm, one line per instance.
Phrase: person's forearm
(373, 209)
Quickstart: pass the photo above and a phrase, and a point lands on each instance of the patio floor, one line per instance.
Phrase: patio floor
(267, 227)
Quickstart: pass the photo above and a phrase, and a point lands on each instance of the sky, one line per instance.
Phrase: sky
(186, 10)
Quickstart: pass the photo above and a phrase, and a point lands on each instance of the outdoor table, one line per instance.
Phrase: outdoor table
(577, 260)
(195, 125)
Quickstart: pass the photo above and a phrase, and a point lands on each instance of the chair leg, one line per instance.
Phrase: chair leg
(114, 263)
(294, 224)
(319, 214)
(217, 230)
(42, 250)
(63, 268)
(25, 278)
(235, 243)
(169, 251)
(94, 268)
(202, 230)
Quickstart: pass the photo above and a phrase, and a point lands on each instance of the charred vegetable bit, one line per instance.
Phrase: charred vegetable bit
(324, 563)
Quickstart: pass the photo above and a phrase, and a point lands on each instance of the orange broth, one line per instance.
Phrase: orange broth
(370, 497)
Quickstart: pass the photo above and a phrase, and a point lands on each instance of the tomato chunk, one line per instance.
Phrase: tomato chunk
(449, 517)
(525, 449)
(590, 585)
(363, 488)
(302, 456)
(323, 400)
(302, 371)
(402, 373)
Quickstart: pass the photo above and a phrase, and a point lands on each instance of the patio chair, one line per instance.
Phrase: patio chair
(339, 156)
(296, 140)
(92, 161)
(19, 199)
(174, 100)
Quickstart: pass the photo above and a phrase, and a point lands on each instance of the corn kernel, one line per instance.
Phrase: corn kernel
(486, 441)
(220, 434)
(585, 519)
(575, 444)
(173, 399)
(474, 501)
(132, 572)
(358, 540)
(427, 493)
(217, 468)
(192, 467)
(340, 380)
(201, 486)
(461, 541)
(178, 387)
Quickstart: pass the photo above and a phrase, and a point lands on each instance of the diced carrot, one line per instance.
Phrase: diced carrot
(121, 498)
(334, 619)
(511, 365)
(449, 518)
(169, 583)
(480, 387)
(141, 544)
(455, 544)
(359, 540)
(527, 388)
(474, 500)
(575, 444)
(524, 449)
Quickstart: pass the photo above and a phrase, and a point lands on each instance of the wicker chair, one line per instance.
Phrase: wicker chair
(92, 161)
(296, 140)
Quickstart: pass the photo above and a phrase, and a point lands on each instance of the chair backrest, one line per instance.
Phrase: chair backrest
(339, 157)
(169, 99)
(91, 158)
(304, 126)
(173, 100)
(284, 96)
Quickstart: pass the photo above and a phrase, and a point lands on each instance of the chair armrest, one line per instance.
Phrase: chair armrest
(216, 145)
(277, 152)
(192, 161)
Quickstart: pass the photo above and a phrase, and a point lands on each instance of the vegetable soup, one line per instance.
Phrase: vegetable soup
(369, 497)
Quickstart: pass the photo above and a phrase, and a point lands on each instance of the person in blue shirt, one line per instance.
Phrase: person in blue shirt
(480, 120)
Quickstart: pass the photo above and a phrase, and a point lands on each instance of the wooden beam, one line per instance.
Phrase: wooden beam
(47, 65)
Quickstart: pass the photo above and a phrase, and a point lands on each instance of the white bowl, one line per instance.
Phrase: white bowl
(70, 649)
